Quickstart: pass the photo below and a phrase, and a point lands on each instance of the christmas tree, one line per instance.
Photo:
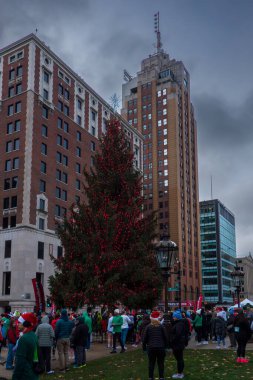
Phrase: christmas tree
(109, 255)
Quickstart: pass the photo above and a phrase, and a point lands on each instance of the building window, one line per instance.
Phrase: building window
(44, 130)
(43, 149)
(66, 94)
(65, 144)
(45, 94)
(57, 211)
(64, 195)
(42, 204)
(45, 112)
(60, 89)
(14, 201)
(16, 163)
(5, 222)
(17, 126)
(60, 106)
(46, 76)
(78, 136)
(6, 283)
(58, 174)
(19, 71)
(58, 192)
(65, 127)
(78, 168)
(41, 224)
(7, 249)
(93, 146)
(18, 89)
(9, 129)
(43, 167)
(7, 165)
(78, 151)
(6, 203)
(93, 115)
(16, 144)
(59, 252)
(59, 140)
(79, 120)
(42, 186)
(79, 104)
(93, 131)
(10, 111)
(78, 184)
(18, 107)
(66, 110)
(8, 146)
(59, 123)
(40, 250)
(65, 160)
(64, 177)
(11, 92)
(12, 74)
(13, 221)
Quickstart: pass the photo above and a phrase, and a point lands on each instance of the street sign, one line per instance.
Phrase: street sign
(172, 289)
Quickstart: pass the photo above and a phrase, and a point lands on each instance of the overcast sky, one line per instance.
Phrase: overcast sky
(100, 38)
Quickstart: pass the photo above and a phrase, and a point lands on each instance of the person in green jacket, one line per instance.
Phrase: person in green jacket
(117, 322)
(88, 321)
(27, 347)
(197, 324)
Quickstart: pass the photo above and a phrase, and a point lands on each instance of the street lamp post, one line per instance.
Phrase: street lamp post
(166, 257)
(237, 280)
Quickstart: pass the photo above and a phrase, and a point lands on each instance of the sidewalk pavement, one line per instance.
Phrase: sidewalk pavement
(100, 350)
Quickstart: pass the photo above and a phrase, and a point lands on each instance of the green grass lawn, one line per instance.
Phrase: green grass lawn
(199, 365)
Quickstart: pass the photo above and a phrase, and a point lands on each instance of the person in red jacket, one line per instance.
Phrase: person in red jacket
(12, 338)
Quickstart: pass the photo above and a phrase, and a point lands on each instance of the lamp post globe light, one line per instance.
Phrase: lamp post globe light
(166, 255)
(237, 281)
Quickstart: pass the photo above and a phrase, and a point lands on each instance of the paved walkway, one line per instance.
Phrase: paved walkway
(99, 350)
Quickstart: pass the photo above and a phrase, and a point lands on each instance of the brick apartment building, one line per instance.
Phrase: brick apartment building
(50, 122)
(157, 103)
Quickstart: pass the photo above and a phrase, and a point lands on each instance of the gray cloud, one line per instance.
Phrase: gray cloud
(98, 39)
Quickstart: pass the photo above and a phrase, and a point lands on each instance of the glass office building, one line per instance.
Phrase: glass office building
(218, 251)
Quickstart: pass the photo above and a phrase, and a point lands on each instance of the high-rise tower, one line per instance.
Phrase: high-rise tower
(157, 102)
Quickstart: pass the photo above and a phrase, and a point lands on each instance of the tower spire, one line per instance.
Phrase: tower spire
(158, 34)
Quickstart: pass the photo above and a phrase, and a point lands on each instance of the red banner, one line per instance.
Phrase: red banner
(39, 295)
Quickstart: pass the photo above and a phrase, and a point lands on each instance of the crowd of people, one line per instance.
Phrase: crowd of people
(32, 340)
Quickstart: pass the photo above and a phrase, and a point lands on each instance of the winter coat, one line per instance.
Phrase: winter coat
(197, 321)
(63, 328)
(12, 335)
(117, 322)
(230, 324)
(155, 336)
(80, 333)
(220, 327)
(242, 328)
(88, 321)
(179, 335)
(45, 333)
(145, 322)
(24, 358)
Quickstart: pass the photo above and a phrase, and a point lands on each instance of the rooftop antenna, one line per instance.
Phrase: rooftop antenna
(127, 76)
(36, 31)
(158, 34)
(211, 187)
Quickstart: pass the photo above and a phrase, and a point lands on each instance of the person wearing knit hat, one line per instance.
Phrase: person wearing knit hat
(156, 340)
(179, 340)
(219, 328)
(117, 323)
(26, 350)
(197, 324)
(63, 330)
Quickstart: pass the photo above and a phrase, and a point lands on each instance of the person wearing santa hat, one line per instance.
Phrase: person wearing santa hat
(155, 341)
(27, 347)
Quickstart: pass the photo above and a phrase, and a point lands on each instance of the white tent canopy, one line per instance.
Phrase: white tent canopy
(244, 302)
